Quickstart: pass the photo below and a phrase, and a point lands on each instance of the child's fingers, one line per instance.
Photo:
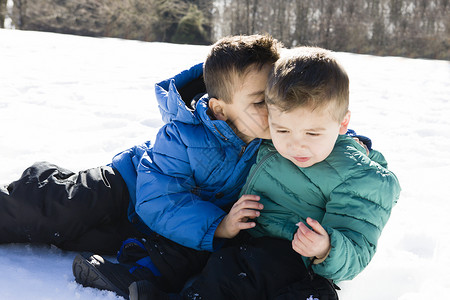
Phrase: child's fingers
(247, 213)
(311, 243)
(248, 197)
(362, 144)
(300, 240)
(298, 244)
(306, 233)
(248, 201)
(316, 226)
(251, 205)
(246, 225)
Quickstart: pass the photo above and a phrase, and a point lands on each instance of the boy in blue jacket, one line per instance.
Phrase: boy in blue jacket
(183, 189)
(177, 193)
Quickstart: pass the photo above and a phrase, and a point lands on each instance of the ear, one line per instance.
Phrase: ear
(217, 106)
(344, 123)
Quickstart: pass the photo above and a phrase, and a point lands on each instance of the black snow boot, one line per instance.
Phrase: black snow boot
(92, 270)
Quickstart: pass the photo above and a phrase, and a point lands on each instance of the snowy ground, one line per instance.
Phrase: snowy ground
(77, 101)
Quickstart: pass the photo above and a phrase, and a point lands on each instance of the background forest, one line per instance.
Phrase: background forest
(410, 28)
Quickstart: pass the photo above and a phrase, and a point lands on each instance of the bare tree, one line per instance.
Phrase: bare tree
(2, 13)
(302, 34)
(20, 13)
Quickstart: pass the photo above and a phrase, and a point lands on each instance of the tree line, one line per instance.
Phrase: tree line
(179, 21)
(410, 28)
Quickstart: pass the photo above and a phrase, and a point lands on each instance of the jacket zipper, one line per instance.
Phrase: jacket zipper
(255, 170)
(224, 137)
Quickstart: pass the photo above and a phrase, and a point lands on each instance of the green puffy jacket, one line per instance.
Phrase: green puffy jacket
(350, 194)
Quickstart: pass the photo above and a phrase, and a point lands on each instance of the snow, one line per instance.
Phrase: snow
(77, 101)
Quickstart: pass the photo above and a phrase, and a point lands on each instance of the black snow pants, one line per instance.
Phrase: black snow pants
(245, 268)
(84, 211)
(262, 268)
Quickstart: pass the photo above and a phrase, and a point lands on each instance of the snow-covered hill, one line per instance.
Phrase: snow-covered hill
(77, 101)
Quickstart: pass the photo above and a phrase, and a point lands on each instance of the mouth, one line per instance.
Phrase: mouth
(301, 159)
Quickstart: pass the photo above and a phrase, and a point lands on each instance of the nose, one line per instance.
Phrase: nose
(297, 142)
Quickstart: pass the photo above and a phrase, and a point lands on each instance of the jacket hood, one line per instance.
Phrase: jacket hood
(175, 95)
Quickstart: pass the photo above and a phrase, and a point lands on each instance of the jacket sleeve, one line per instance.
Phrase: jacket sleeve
(356, 213)
(164, 200)
(378, 157)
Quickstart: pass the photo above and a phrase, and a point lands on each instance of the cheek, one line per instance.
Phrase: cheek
(260, 117)
(265, 121)
(262, 113)
(279, 144)
(324, 149)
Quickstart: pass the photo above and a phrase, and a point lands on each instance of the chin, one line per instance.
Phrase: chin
(264, 135)
(306, 164)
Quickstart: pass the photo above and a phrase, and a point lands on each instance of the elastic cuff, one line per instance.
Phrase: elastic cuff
(209, 243)
(317, 261)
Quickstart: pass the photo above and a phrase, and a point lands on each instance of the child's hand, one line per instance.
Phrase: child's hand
(311, 243)
(362, 144)
(247, 207)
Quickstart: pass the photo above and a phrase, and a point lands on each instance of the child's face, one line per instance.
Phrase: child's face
(248, 111)
(305, 136)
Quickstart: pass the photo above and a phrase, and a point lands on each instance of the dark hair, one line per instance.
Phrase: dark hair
(231, 58)
(308, 77)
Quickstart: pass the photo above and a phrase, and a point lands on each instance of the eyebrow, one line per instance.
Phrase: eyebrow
(275, 124)
(316, 129)
(255, 94)
(309, 129)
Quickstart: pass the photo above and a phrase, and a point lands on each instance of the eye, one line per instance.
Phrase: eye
(282, 131)
(313, 133)
(260, 103)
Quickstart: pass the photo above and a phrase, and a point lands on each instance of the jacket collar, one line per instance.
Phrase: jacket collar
(220, 128)
(170, 103)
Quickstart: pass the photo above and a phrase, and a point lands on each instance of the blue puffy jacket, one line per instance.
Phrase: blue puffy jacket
(180, 185)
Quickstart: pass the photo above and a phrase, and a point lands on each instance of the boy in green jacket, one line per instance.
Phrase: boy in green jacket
(326, 198)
